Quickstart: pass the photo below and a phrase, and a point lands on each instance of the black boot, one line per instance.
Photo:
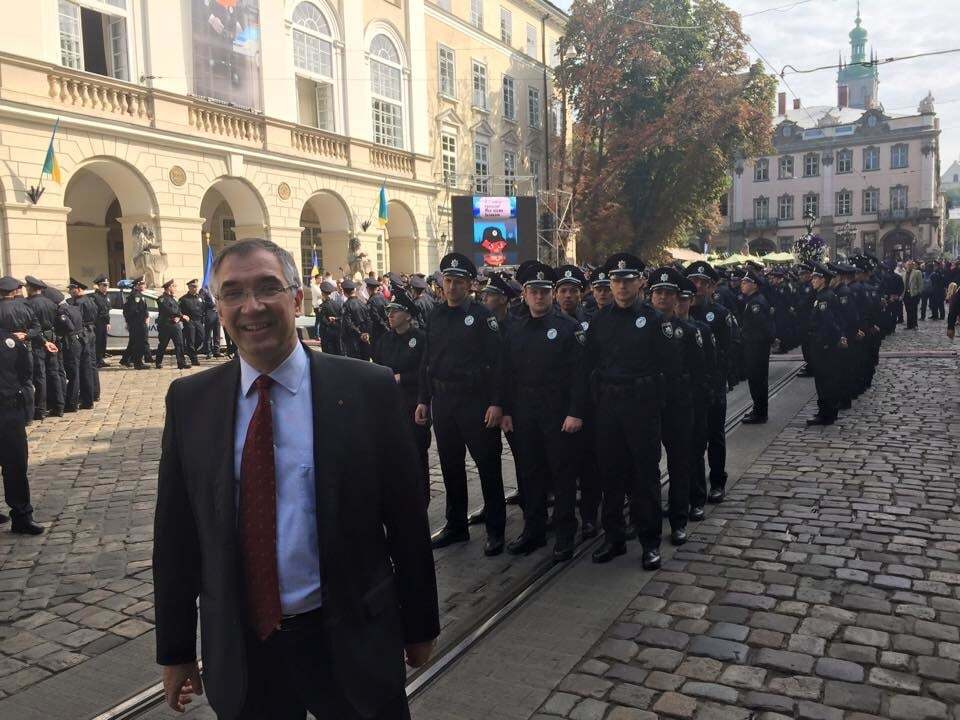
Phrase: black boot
(589, 531)
(651, 559)
(696, 513)
(448, 536)
(678, 536)
(477, 518)
(25, 526)
(526, 544)
(754, 419)
(716, 495)
(493, 546)
(608, 551)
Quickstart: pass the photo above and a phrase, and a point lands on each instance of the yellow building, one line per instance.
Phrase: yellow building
(183, 124)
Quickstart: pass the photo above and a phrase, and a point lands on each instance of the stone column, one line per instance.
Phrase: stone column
(245, 232)
(289, 239)
(181, 240)
(36, 242)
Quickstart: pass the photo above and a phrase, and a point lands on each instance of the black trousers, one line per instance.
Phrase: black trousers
(72, 351)
(330, 343)
(546, 459)
(589, 472)
(136, 344)
(92, 357)
(100, 336)
(423, 437)
(828, 378)
(168, 333)
(676, 427)
(458, 425)
(937, 303)
(628, 446)
(87, 369)
(698, 447)
(192, 338)
(291, 673)
(48, 391)
(211, 336)
(910, 302)
(13, 462)
(757, 367)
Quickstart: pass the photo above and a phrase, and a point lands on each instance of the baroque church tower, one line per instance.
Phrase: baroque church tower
(858, 81)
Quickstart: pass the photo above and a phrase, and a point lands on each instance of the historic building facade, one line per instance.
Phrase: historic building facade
(183, 125)
(870, 179)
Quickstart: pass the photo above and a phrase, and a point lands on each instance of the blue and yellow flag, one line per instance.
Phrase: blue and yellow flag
(315, 270)
(50, 165)
(382, 216)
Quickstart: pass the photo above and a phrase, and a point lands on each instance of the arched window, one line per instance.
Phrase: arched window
(386, 88)
(314, 60)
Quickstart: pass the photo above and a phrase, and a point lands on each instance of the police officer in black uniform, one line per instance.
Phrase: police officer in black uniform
(758, 334)
(401, 349)
(849, 316)
(101, 300)
(137, 317)
(827, 340)
(421, 296)
(18, 318)
(87, 361)
(330, 313)
(169, 321)
(543, 407)
(376, 311)
(15, 411)
(211, 324)
(721, 321)
(803, 305)
(355, 325)
(460, 386)
(70, 334)
(625, 357)
(191, 305)
(46, 374)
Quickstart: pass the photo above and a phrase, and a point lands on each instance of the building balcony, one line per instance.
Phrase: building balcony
(762, 224)
(66, 92)
(899, 215)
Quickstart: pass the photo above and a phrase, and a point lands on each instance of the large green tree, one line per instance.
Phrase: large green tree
(663, 99)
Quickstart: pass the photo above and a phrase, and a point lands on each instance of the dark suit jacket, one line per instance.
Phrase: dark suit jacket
(379, 587)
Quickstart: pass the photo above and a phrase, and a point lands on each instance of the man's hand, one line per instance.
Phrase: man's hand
(396, 376)
(843, 342)
(51, 348)
(181, 683)
(506, 423)
(421, 414)
(108, 327)
(493, 416)
(572, 424)
(365, 337)
(860, 335)
(419, 653)
(21, 336)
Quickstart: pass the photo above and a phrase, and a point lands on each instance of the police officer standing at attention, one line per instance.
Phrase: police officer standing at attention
(421, 296)
(376, 310)
(88, 365)
(460, 386)
(101, 327)
(624, 360)
(602, 294)
(137, 317)
(191, 305)
(758, 334)
(571, 283)
(826, 341)
(330, 313)
(70, 331)
(401, 350)
(15, 410)
(706, 309)
(355, 325)
(543, 407)
(169, 321)
(211, 325)
(46, 373)
(19, 319)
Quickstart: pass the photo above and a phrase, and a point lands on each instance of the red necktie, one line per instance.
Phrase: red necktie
(258, 516)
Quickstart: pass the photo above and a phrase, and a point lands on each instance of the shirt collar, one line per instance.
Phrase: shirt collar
(289, 373)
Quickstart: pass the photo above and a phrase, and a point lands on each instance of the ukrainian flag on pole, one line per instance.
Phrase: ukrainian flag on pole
(50, 165)
(315, 270)
(382, 216)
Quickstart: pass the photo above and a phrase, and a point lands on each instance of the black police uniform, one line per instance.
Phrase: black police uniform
(192, 306)
(18, 316)
(87, 361)
(46, 375)
(211, 325)
(701, 346)
(102, 303)
(824, 348)
(625, 357)
(70, 332)
(355, 322)
(541, 357)
(331, 319)
(677, 418)
(588, 474)
(758, 333)
(377, 312)
(136, 315)
(460, 379)
(850, 324)
(168, 325)
(403, 354)
(15, 411)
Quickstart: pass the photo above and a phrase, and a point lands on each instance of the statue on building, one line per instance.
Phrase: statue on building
(926, 105)
(149, 260)
(358, 261)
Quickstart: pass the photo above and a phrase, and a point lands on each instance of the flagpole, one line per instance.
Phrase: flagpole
(35, 192)
(53, 136)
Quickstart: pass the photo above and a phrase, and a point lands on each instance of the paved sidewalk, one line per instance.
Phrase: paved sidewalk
(827, 587)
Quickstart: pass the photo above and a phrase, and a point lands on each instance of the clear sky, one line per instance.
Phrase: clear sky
(810, 33)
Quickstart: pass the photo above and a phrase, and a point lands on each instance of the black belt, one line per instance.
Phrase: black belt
(310, 620)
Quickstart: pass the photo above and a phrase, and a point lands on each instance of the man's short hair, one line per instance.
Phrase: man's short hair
(240, 248)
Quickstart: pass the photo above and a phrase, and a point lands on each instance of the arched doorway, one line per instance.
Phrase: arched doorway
(106, 198)
(327, 226)
(898, 245)
(762, 246)
(231, 209)
(401, 240)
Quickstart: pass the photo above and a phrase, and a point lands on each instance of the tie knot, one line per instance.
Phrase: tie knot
(263, 384)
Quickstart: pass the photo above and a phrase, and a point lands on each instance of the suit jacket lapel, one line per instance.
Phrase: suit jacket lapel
(327, 455)
(225, 395)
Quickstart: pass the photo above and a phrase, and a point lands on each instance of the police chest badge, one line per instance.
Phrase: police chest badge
(641, 323)
(552, 334)
(468, 320)
(10, 343)
(581, 337)
(711, 317)
(843, 301)
(822, 305)
(678, 333)
(585, 325)
(667, 330)
(755, 308)
(699, 337)
(412, 343)
(729, 320)
(492, 323)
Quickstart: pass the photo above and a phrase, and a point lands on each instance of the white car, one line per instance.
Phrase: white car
(118, 334)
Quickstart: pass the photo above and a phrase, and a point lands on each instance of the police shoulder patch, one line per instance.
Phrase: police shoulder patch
(699, 338)
(9, 342)
(413, 342)
(710, 316)
(581, 337)
(492, 323)
(667, 329)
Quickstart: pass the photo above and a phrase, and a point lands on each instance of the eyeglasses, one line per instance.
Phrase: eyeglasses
(234, 297)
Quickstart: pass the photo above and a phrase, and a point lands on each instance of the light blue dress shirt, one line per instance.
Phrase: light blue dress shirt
(298, 548)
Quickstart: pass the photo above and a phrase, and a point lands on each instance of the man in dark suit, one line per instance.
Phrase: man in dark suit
(309, 551)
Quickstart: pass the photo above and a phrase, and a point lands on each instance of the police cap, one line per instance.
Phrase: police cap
(570, 274)
(52, 293)
(74, 283)
(458, 265)
(193, 282)
(703, 270)
(624, 265)
(168, 283)
(35, 282)
(100, 279)
(821, 270)
(498, 284)
(327, 287)
(371, 282)
(534, 273)
(665, 278)
(418, 283)
(751, 276)
(348, 284)
(687, 288)
(9, 284)
(600, 278)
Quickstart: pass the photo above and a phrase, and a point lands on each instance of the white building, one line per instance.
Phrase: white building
(870, 178)
(198, 122)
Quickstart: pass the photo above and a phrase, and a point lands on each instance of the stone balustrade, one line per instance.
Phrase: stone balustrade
(101, 94)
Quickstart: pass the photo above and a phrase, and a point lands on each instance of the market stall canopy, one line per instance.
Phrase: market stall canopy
(780, 257)
(684, 254)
